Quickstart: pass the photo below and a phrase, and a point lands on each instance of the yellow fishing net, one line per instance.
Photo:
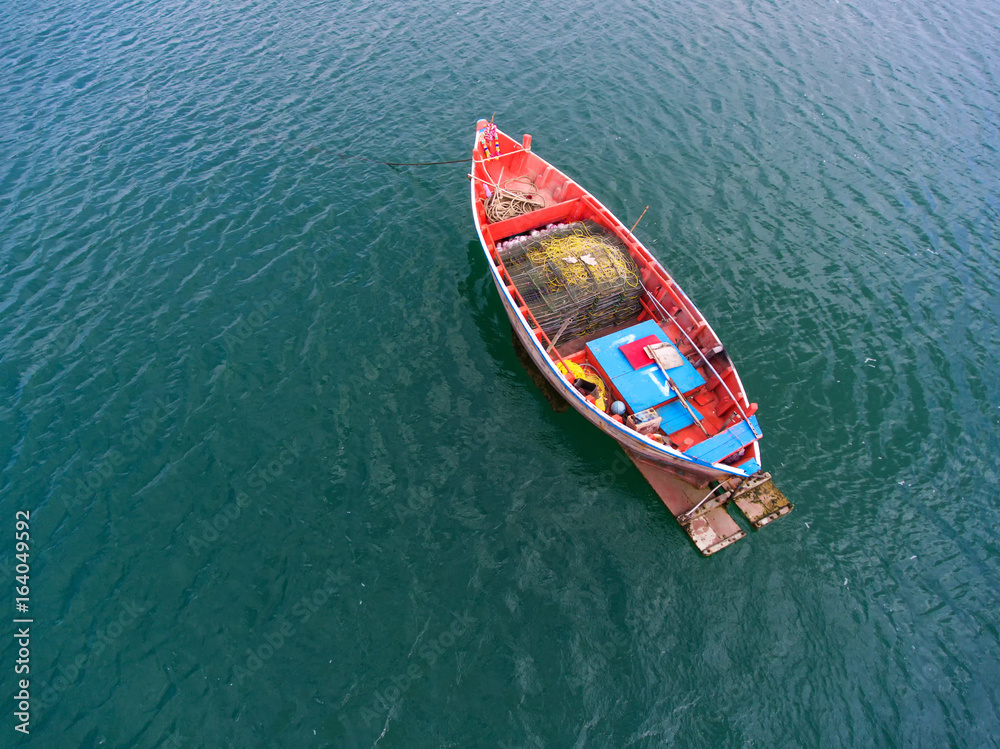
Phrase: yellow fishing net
(584, 258)
(576, 278)
(586, 372)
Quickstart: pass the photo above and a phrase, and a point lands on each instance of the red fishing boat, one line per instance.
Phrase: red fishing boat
(619, 340)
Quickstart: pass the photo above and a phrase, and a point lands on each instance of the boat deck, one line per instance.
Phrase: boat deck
(706, 430)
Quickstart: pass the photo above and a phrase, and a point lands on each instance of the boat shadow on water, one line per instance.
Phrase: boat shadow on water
(594, 450)
(496, 331)
(552, 395)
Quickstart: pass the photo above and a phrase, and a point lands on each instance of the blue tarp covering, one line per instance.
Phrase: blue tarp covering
(641, 388)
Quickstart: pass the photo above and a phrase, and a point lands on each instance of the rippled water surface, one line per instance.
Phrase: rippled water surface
(289, 484)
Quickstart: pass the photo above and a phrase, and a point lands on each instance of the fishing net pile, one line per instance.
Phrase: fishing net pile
(575, 278)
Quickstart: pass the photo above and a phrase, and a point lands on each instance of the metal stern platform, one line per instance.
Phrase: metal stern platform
(704, 516)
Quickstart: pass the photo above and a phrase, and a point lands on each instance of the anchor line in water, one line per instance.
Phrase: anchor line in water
(344, 157)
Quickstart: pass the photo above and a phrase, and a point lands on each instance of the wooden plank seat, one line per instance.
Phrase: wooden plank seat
(568, 211)
(675, 416)
(726, 442)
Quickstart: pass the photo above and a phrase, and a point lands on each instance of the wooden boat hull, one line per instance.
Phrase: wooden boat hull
(694, 460)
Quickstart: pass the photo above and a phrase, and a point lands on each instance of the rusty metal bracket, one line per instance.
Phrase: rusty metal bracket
(710, 502)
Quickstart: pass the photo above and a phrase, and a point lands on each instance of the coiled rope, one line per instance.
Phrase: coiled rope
(507, 202)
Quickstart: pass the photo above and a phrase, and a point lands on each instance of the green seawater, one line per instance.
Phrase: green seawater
(288, 483)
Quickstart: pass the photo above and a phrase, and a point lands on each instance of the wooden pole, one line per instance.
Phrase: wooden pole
(638, 219)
